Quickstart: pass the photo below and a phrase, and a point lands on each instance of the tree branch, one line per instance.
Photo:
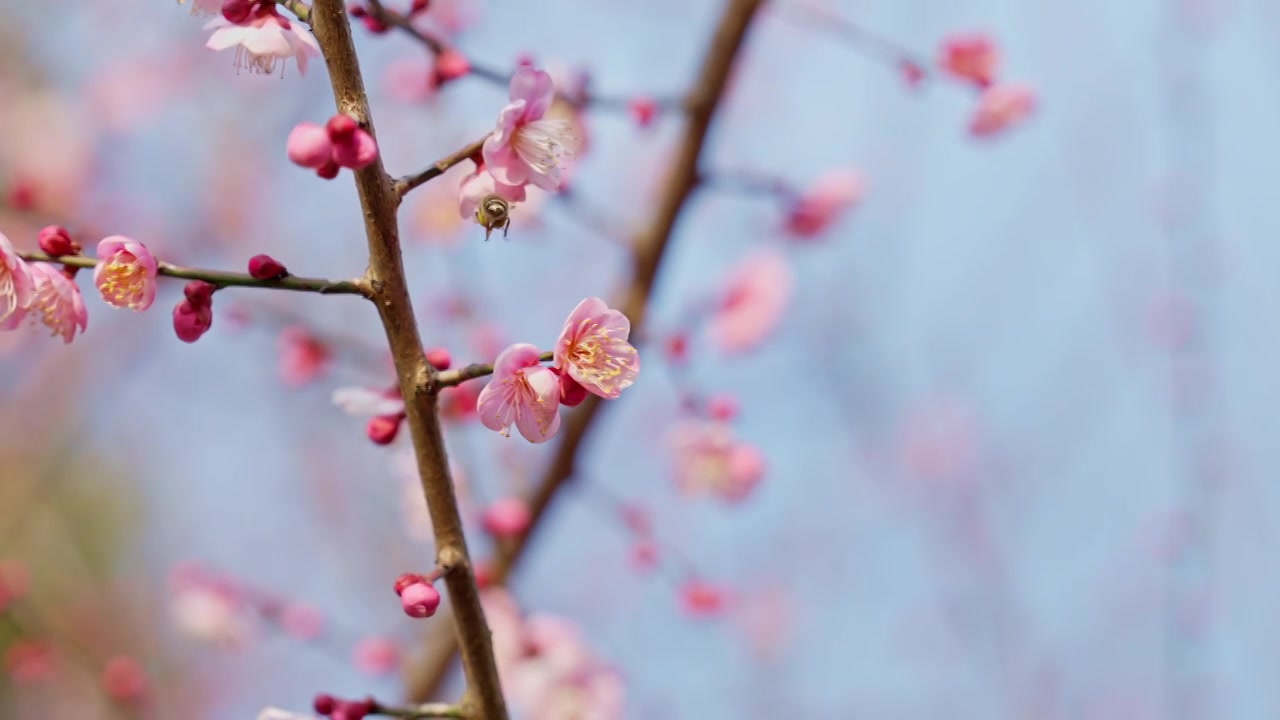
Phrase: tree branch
(449, 378)
(407, 183)
(649, 248)
(222, 278)
(420, 712)
(390, 293)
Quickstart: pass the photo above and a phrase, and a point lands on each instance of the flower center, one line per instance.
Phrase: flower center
(123, 281)
(542, 144)
(600, 359)
(8, 293)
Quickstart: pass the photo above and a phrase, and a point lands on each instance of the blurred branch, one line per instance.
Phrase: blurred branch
(649, 248)
(437, 47)
(449, 378)
(407, 183)
(806, 14)
(390, 293)
(221, 278)
(746, 182)
(419, 712)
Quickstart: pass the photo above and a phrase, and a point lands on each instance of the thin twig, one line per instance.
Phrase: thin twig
(390, 290)
(407, 183)
(221, 278)
(649, 248)
(420, 712)
(449, 378)
(822, 19)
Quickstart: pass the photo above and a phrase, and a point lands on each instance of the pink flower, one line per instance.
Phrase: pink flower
(57, 303)
(523, 393)
(593, 349)
(264, 40)
(361, 401)
(970, 57)
(525, 148)
(376, 656)
(822, 204)
(17, 286)
(752, 302)
(210, 611)
(125, 273)
(479, 185)
(1001, 107)
(309, 146)
(710, 459)
(303, 356)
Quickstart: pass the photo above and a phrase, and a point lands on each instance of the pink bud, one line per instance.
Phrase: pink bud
(341, 127)
(506, 517)
(22, 195)
(28, 661)
(301, 622)
(404, 580)
(356, 151)
(702, 599)
(124, 679)
(265, 267)
(324, 704)
(420, 600)
(376, 656)
(636, 518)
(644, 555)
(572, 393)
(912, 73)
(374, 25)
(382, 429)
(418, 6)
(55, 240)
(722, 407)
(309, 145)
(329, 170)
(190, 322)
(199, 293)
(451, 65)
(439, 358)
(677, 347)
(484, 574)
(643, 111)
(357, 10)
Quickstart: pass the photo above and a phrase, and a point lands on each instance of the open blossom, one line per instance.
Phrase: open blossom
(17, 286)
(823, 202)
(479, 185)
(264, 40)
(970, 57)
(594, 351)
(1000, 108)
(526, 147)
(522, 393)
(709, 459)
(56, 303)
(125, 273)
(752, 301)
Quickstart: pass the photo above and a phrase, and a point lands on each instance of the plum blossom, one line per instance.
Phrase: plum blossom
(752, 301)
(125, 273)
(709, 459)
(523, 393)
(970, 57)
(1000, 108)
(17, 286)
(823, 202)
(264, 40)
(593, 349)
(526, 147)
(56, 303)
(479, 185)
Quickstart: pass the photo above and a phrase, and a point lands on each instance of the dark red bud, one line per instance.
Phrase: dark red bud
(237, 11)
(199, 293)
(419, 6)
(357, 10)
(439, 358)
(329, 170)
(382, 430)
(191, 322)
(404, 580)
(324, 704)
(55, 240)
(374, 25)
(265, 267)
(341, 127)
(571, 392)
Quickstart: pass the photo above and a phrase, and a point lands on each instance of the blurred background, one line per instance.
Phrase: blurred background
(1013, 399)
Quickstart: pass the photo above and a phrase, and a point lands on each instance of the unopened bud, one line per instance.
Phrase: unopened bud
(382, 429)
(265, 267)
(55, 240)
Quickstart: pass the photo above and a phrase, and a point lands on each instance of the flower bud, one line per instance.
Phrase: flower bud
(572, 393)
(309, 145)
(404, 580)
(199, 293)
(506, 517)
(265, 267)
(451, 65)
(237, 11)
(382, 429)
(55, 241)
(324, 704)
(341, 127)
(190, 321)
(420, 600)
(439, 358)
(643, 110)
(328, 171)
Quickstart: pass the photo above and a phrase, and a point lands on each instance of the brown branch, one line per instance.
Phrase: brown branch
(820, 18)
(390, 293)
(449, 378)
(420, 712)
(407, 183)
(649, 248)
(222, 278)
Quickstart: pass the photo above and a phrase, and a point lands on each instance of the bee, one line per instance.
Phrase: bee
(494, 212)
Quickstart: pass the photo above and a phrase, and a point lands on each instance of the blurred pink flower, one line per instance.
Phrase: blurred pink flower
(522, 392)
(17, 286)
(970, 57)
(263, 41)
(479, 185)
(752, 301)
(709, 459)
(593, 349)
(376, 656)
(525, 147)
(701, 599)
(361, 401)
(410, 80)
(507, 516)
(57, 303)
(124, 679)
(28, 661)
(303, 356)
(302, 622)
(208, 608)
(824, 202)
(1000, 108)
(125, 273)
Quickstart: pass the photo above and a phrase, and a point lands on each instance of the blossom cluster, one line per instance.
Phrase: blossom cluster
(263, 38)
(974, 58)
